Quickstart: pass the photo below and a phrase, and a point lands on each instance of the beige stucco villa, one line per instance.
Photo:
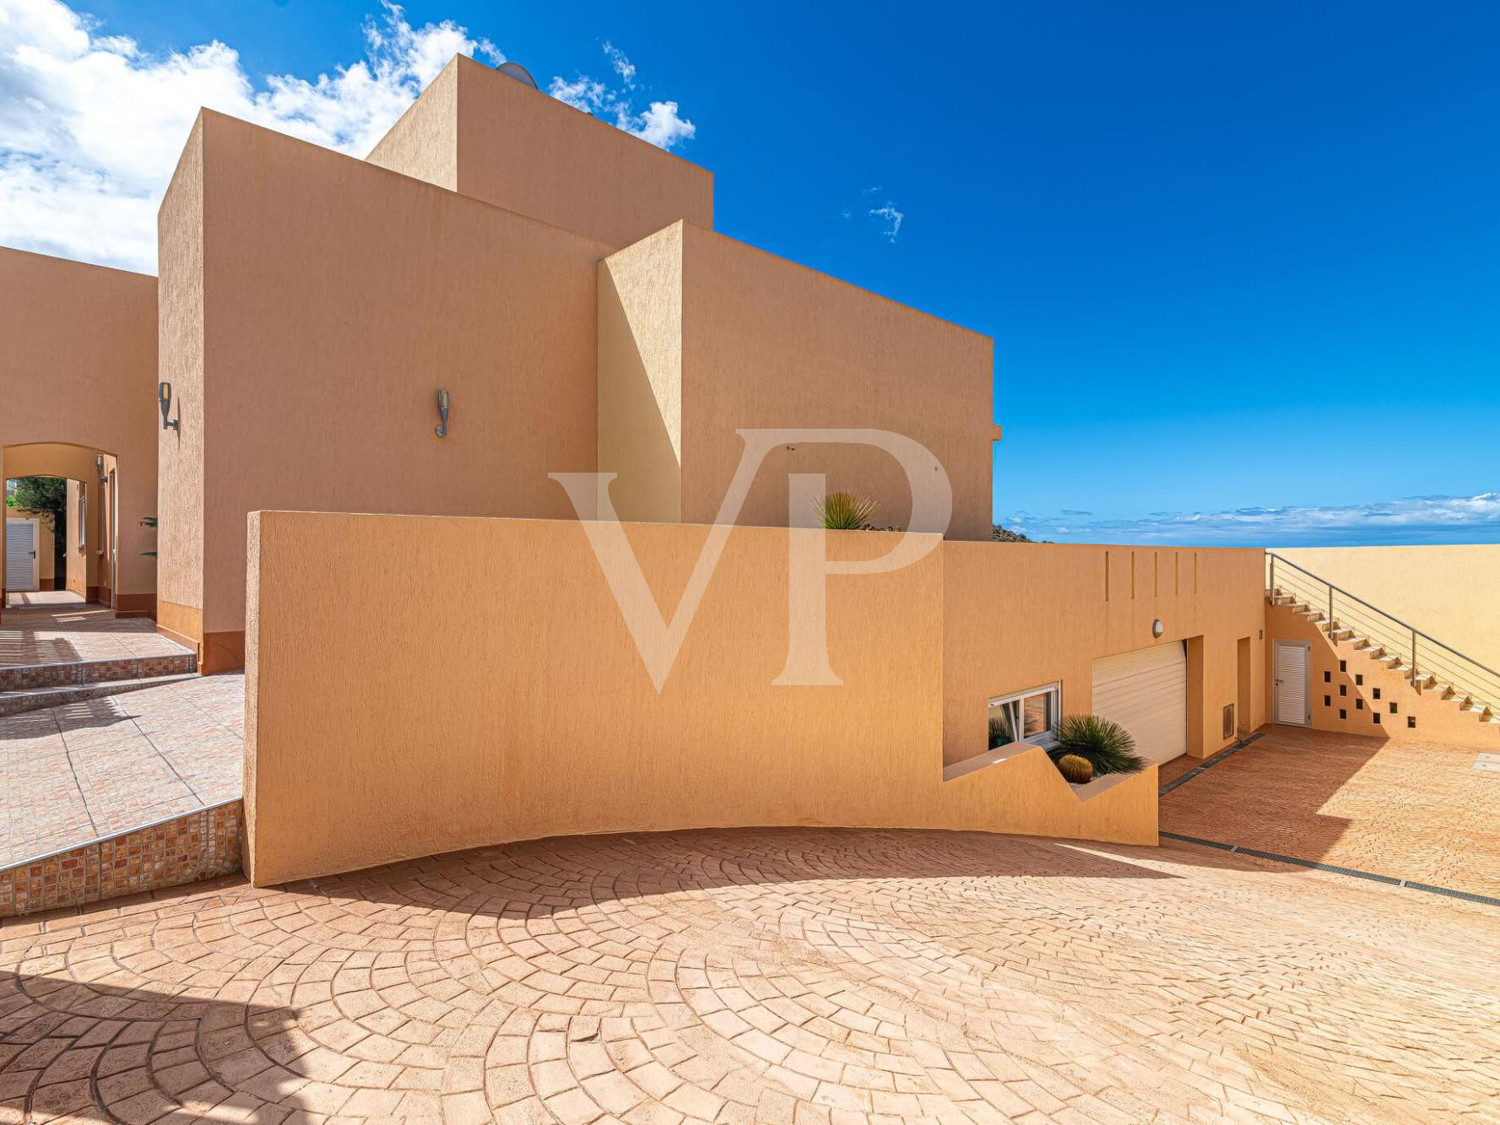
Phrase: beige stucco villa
(435, 656)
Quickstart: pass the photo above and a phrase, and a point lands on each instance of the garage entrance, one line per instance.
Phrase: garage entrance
(1146, 692)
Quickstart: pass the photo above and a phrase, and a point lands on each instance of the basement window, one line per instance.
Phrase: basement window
(1026, 716)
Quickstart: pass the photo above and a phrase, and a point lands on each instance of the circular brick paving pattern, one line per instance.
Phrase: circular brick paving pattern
(763, 976)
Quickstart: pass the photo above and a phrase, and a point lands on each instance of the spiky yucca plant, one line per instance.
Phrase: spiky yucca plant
(1075, 769)
(1106, 746)
(844, 511)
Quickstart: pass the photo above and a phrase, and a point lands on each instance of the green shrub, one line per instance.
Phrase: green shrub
(844, 511)
(1106, 746)
(1075, 769)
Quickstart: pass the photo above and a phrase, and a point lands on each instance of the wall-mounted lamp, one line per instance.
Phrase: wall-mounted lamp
(445, 400)
(164, 400)
(99, 468)
(1157, 628)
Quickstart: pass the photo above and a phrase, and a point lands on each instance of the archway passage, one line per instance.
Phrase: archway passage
(62, 530)
(79, 386)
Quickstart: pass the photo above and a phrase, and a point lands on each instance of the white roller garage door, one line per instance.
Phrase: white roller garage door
(1146, 693)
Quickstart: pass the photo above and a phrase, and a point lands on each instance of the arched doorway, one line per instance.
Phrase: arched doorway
(79, 386)
(77, 520)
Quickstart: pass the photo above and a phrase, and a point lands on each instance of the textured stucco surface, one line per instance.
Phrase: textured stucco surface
(640, 377)
(758, 342)
(82, 340)
(1446, 591)
(478, 711)
(489, 137)
(1025, 615)
(334, 299)
(423, 142)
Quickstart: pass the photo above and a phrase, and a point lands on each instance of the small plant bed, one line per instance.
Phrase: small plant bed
(1090, 746)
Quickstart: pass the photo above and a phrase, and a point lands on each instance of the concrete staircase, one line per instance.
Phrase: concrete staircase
(1427, 667)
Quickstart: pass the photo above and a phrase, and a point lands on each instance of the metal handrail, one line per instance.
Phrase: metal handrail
(1350, 616)
(1274, 557)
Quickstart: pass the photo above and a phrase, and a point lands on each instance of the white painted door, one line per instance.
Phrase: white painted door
(20, 554)
(1146, 693)
(1290, 703)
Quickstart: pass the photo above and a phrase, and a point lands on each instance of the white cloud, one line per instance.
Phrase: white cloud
(892, 219)
(1415, 519)
(662, 123)
(91, 125)
(880, 211)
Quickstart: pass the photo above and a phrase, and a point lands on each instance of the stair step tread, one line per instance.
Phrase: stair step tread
(36, 699)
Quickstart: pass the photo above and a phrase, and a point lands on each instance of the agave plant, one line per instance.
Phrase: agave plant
(844, 511)
(1105, 745)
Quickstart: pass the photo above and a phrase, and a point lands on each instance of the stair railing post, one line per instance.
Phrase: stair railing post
(1273, 575)
(1330, 611)
(1413, 658)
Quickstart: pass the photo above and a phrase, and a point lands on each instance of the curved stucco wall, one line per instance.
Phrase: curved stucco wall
(511, 702)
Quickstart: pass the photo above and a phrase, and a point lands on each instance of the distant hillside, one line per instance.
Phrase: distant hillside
(1006, 535)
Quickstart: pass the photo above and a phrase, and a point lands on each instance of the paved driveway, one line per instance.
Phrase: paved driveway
(764, 976)
(1408, 810)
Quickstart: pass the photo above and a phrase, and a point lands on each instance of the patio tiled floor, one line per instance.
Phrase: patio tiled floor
(70, 774)
(798, 976)
(1410, 810)
(58, 634)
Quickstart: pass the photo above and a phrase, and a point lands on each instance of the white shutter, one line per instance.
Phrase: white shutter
(1146, 693)
(20, 555)
(1291, 684)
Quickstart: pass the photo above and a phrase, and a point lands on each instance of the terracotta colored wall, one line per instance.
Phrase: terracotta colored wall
(767, 343)
(1026, 615)
(1342, 667)
(180, 451)
(331, 300)
(519, 707)
(489, 137)
(423, 143)
(640, 377)
(80, 341)
(1446, 591)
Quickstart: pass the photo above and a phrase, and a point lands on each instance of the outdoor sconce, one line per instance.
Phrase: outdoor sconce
(1157, 628)
(164, 400)
(99, 468)
(445, 400)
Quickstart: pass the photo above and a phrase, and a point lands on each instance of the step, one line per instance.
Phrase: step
(30, 677)
(37, 699)
(1339, 634)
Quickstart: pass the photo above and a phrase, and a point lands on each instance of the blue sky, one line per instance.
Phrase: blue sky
(1241, 262)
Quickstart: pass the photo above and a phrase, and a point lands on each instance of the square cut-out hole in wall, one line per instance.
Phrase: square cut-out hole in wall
(1343, 666)
(1328, 701)
(1327, 677)
(1343, 689)
(1411, 722)
(1376, 716)
(1359, 704)
(1359, 679)
(1375, 692)
(1343, 714)
(1393, 708)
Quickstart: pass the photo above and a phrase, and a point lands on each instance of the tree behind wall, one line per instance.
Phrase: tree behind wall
(44, 494)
